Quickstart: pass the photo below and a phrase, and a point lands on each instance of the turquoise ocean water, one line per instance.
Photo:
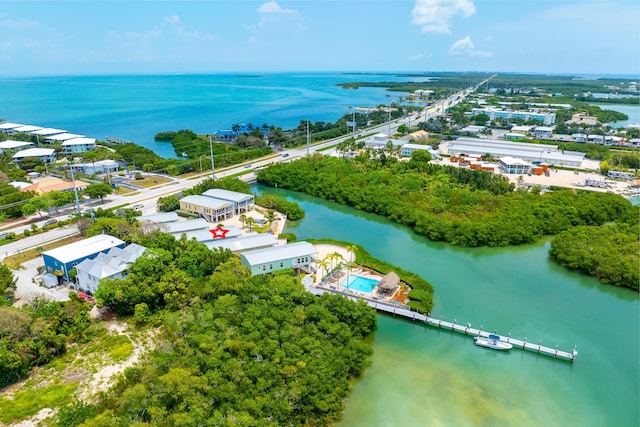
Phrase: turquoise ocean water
(137, 107)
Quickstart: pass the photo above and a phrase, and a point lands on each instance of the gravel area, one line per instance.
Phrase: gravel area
(28, 287)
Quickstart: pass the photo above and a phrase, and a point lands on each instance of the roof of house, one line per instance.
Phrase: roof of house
(34, 152)
(244, 243)
(418, 146)
(20, 185)
(27, 128)
(79, 141)
(418, 134)
(159, 217)
(207, 202)
(53, 184)
(207, 236)
(112, 262)
(9, 126)
(83, 248)
(508, 160)
(48, 131)
(227, 195)
(64, 136)
(180, 227)
(278, 253)
(10, 144)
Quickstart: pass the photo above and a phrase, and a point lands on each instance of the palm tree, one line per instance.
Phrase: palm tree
(250, 223)
(335, 256)
(322, 264)
(243, 219)
(270, 216)
(352, 252)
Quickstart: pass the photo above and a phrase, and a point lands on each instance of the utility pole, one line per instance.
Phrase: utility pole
(213, 175)
(308, 139)
(389, 124)
(353, 122)
(75, 190)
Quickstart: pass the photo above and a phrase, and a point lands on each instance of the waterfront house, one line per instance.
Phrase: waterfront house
(213, 210)
(78, 145)
(241, 202)
(243, 244)
(300, 256)
(13, 145)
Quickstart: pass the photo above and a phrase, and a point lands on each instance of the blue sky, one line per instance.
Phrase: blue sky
(104, 37)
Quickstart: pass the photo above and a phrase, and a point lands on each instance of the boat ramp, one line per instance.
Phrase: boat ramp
(465, 329)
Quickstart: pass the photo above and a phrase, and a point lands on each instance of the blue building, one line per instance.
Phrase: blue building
(65, 258)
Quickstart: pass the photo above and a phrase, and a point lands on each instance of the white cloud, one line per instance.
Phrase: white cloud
(434, 16)
(419, 57)
(273, 7)
(465, 46)
(173, 19)
(273, 18)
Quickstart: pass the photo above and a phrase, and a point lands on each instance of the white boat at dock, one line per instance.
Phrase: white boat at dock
(492, 341)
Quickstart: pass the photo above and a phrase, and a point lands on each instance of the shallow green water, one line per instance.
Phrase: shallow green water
(425, 377)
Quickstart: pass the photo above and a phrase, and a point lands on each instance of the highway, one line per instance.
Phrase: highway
(148, 198)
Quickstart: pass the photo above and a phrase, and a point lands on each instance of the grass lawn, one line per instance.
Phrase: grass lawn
(14, 261)
(149, 181)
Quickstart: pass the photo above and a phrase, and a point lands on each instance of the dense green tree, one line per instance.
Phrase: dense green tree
(168, 203)
(7, 285)
(98, 190)
(256, 350)
(610, 253)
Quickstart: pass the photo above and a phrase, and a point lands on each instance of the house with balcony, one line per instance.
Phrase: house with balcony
(299, 256)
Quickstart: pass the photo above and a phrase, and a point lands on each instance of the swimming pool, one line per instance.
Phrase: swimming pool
(359, 283)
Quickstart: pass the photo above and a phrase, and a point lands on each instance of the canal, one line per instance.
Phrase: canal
(423, 376)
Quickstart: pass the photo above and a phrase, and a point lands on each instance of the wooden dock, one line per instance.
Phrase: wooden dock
(451, 326)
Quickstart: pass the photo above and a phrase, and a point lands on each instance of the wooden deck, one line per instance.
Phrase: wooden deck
(442, 324)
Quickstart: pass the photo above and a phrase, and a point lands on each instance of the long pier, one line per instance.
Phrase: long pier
(451, 326)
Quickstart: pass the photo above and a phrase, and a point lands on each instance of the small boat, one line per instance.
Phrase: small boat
(492, 341)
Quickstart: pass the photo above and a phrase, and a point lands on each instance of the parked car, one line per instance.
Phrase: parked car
(86, 297)
(260, 221)
(50, 222)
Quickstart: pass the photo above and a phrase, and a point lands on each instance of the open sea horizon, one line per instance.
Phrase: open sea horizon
(136, 107)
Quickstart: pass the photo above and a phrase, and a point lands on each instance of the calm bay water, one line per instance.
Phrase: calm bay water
(426, 377)
(135, 108)
(633, 111)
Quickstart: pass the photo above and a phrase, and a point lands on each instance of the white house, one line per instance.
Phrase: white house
(102, 166)
(47, 155)
(300, 256)
(8, 128)
(512, 165)
(242, 202)
(13, 145)
(112, 265)
(407, 149)
(78, 145)
(543, 132)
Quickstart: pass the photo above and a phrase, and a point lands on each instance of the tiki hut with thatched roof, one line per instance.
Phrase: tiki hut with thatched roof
(389, 283)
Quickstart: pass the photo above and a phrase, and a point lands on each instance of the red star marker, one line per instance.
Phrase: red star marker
(219, 233)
